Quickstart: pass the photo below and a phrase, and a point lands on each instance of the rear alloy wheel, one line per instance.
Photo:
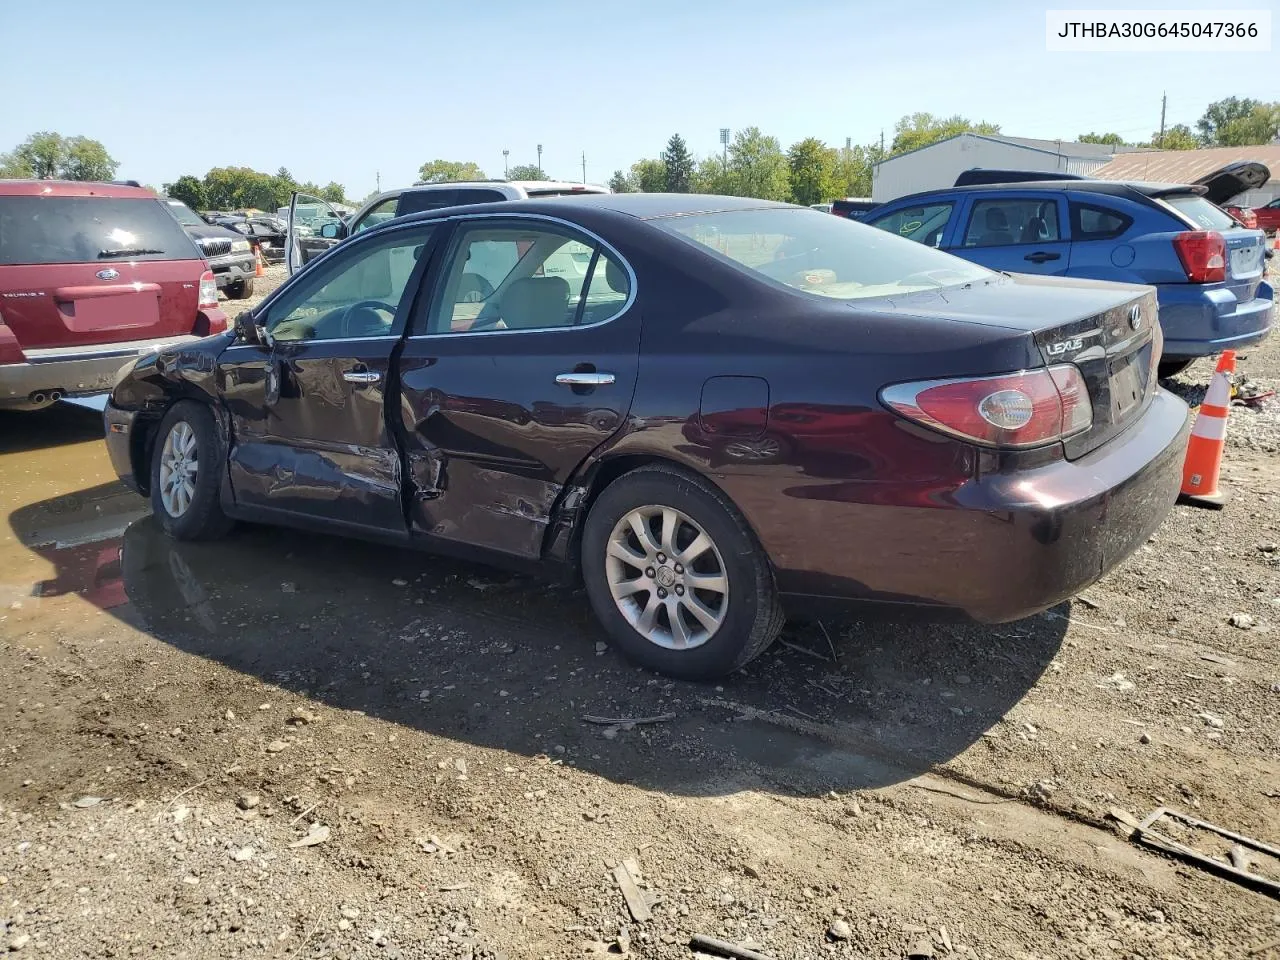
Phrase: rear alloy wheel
(186, 472)
(676, 576)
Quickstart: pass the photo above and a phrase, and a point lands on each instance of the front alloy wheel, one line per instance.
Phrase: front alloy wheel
(179, 464)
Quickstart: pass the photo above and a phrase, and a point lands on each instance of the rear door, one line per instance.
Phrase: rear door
(95, 270)
(1015, 232)
(512, 376)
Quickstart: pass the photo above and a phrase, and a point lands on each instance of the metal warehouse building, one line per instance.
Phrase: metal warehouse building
(1188, 166)
(938, 164)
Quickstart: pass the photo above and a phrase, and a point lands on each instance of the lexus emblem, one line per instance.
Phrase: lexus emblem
(108, 274)
(1135, 317)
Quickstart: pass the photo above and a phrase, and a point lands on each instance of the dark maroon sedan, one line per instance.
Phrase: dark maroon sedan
(707, 406)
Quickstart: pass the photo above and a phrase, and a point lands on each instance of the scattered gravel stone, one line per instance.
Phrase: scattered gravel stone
(839, 930)
(1241, 621)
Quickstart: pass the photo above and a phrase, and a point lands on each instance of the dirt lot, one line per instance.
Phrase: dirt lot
(180, 718)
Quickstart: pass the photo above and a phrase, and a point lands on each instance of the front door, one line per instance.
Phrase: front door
(310, 429)
(312, 227)
(1016, 233)
(522, 363)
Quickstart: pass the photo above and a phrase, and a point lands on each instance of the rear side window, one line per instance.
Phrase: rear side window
(1201, 212)
(923, 224)
(1097, 223)
(89, 230)
(476, 195)
(1001, 222)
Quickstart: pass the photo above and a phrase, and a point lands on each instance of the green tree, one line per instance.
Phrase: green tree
(921, 129)
(1218, 115)
(621, 183)
(679, 165)
(649, 176)
(757, 166)
(1177, 137)
(854, 170)
(235, 188)
(86, 159)
(13, 167)
(525, 171)
(1111, 139)
(190, 191)
(712, 176)
(813, 171)
(1261, 125)
(333, 192)
(42, 153)
(452, 171)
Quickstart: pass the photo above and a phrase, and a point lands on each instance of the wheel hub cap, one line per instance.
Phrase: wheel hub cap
(179, 464)
(667, 577)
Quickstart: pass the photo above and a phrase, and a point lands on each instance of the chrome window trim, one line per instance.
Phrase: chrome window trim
(462, 220)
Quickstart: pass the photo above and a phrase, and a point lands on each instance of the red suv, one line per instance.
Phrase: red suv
(91, 274)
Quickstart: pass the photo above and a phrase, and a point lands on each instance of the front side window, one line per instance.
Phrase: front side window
(355, 295)
(507, 276)
(1005, 221)
(823, 255)
(89, 230)
(923, 224)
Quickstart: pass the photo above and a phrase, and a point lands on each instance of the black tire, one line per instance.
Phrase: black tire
(1169, 368)
(203, 519)
(753, 616)
(241, 289)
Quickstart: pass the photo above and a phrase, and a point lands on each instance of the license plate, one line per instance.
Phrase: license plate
(1128, 385)
(1245, 260)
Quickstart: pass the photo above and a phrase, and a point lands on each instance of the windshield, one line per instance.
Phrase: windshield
(183, 213)
(89, 230)
(1201, 212)
(823, 255)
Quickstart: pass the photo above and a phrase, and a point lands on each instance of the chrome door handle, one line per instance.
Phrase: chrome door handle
(584, 379)
(361, 376)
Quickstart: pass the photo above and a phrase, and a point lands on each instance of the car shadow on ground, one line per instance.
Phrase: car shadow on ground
(54, 426)
(483, 657)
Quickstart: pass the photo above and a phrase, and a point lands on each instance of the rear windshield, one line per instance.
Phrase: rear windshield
(1201, 212)
(823, 255)
(89, 230)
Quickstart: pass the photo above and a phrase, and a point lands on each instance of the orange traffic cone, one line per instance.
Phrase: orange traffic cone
(258, 271)
(1208, 438)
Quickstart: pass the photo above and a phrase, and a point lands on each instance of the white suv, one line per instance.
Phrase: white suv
(415, 199)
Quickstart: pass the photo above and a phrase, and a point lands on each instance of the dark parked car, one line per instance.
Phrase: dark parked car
(91, 275)
(732, 404)
(228, 253)
(853, 208)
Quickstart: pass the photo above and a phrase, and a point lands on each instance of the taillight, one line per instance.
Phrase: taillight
(10, 349)
(1025, 409)
(1203, 254)
(208, 290)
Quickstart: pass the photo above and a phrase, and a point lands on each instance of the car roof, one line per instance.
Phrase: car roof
(1114, 188)
(71, 188)
(641, 206)
(525, 185)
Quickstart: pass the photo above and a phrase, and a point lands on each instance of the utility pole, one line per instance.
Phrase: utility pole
(882, 141)
(584, 166)
(377, 177)
(539, 161)
(505, 167)
(1164, 101)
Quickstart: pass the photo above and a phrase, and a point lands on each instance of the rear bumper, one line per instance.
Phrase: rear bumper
(73, 371)
(998, 548)
(1202, 321)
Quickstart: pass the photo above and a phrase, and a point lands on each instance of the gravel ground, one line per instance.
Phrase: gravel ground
(293, 746)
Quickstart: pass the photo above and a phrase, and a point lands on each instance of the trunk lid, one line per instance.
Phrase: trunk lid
(1110, 331)
(1234, 179)
(79, 271)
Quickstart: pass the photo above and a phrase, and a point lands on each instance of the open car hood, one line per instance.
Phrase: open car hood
(1233, 180)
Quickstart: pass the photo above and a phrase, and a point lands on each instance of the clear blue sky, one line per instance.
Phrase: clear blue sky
(338, 90)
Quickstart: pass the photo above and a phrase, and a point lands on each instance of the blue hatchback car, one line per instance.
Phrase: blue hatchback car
(1207, 269)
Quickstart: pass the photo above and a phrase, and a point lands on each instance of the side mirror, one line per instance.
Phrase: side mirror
(330, 231)
(245, 329)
